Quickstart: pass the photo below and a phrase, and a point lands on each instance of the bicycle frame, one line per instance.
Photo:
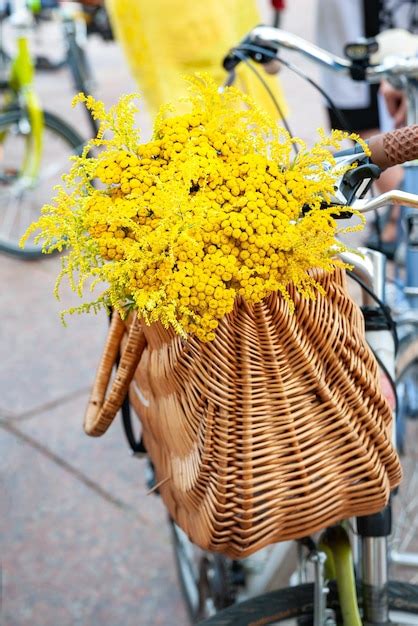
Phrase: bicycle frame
(21, 83)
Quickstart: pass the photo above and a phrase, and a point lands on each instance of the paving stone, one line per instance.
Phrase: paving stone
(104, 460)
(42, 360)
(70, 558)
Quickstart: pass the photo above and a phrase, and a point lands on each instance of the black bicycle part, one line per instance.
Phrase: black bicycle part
(260, 53)
(209, 584)
(80, 69)
(231, 60)
(137, 445)
(264, 54)
(295, 602)
(274, 100)
(46, 65)
(371, 318)
(380, 319)
(411, 223)
(385, 310)
(98, 23)
(357, 182)
(359, 53)
(376, 525)
(354, 184)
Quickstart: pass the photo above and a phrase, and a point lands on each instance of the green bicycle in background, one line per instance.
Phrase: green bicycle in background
(35, 145)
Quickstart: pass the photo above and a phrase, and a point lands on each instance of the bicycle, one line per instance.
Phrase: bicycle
(35, 147)
(76, 22)
(50, 48)
(210, 582)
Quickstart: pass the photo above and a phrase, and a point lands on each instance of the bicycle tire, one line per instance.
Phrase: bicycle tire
(293, 603)
(54, 128)
(404, 545)
(80, 67)
(82, 75)
(203, 595)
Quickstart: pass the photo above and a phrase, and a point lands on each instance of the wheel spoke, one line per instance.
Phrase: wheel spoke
(21, 199)
(8, 213)
(51, 171)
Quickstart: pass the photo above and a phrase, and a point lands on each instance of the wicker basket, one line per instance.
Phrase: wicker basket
(274, 430)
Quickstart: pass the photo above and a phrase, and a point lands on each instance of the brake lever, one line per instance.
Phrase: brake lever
(354, 183)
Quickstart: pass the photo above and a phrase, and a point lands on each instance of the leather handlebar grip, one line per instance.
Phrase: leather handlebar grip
(396, 147)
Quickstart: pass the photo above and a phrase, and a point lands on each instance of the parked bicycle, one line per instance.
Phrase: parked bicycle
(210, 581)
(35, 144)
(47, 36)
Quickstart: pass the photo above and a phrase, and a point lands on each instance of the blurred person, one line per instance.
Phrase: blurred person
(339, 22)
(396, 103)
(164, 40)
(366, 108)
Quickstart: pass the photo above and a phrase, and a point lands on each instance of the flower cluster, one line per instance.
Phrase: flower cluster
(212, 208)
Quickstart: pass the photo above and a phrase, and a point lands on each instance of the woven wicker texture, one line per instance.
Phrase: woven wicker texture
(101, 410)
(401, 145)
(272, 431)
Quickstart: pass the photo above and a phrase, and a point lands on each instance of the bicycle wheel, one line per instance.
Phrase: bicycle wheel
(404, 541)
(21, 199)
(206, 579)
(294, 605)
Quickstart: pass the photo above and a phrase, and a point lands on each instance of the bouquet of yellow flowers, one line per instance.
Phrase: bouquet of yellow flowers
(210, 209)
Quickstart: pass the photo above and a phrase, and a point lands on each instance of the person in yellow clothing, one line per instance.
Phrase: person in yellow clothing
(164, 40)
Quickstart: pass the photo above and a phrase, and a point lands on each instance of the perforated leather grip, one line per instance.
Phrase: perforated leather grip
(395, 147)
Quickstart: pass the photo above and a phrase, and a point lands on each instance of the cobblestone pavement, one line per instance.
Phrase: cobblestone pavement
(82, 543)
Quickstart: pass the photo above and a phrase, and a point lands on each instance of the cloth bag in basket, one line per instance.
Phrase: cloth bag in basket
(272, 431)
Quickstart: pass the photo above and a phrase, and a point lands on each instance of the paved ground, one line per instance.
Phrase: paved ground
(82, 543)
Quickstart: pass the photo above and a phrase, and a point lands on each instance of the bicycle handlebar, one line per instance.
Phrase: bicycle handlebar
(275, 38)
(263, 42)
(387, 149)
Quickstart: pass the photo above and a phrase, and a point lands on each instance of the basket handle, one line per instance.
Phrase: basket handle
(101, 412)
